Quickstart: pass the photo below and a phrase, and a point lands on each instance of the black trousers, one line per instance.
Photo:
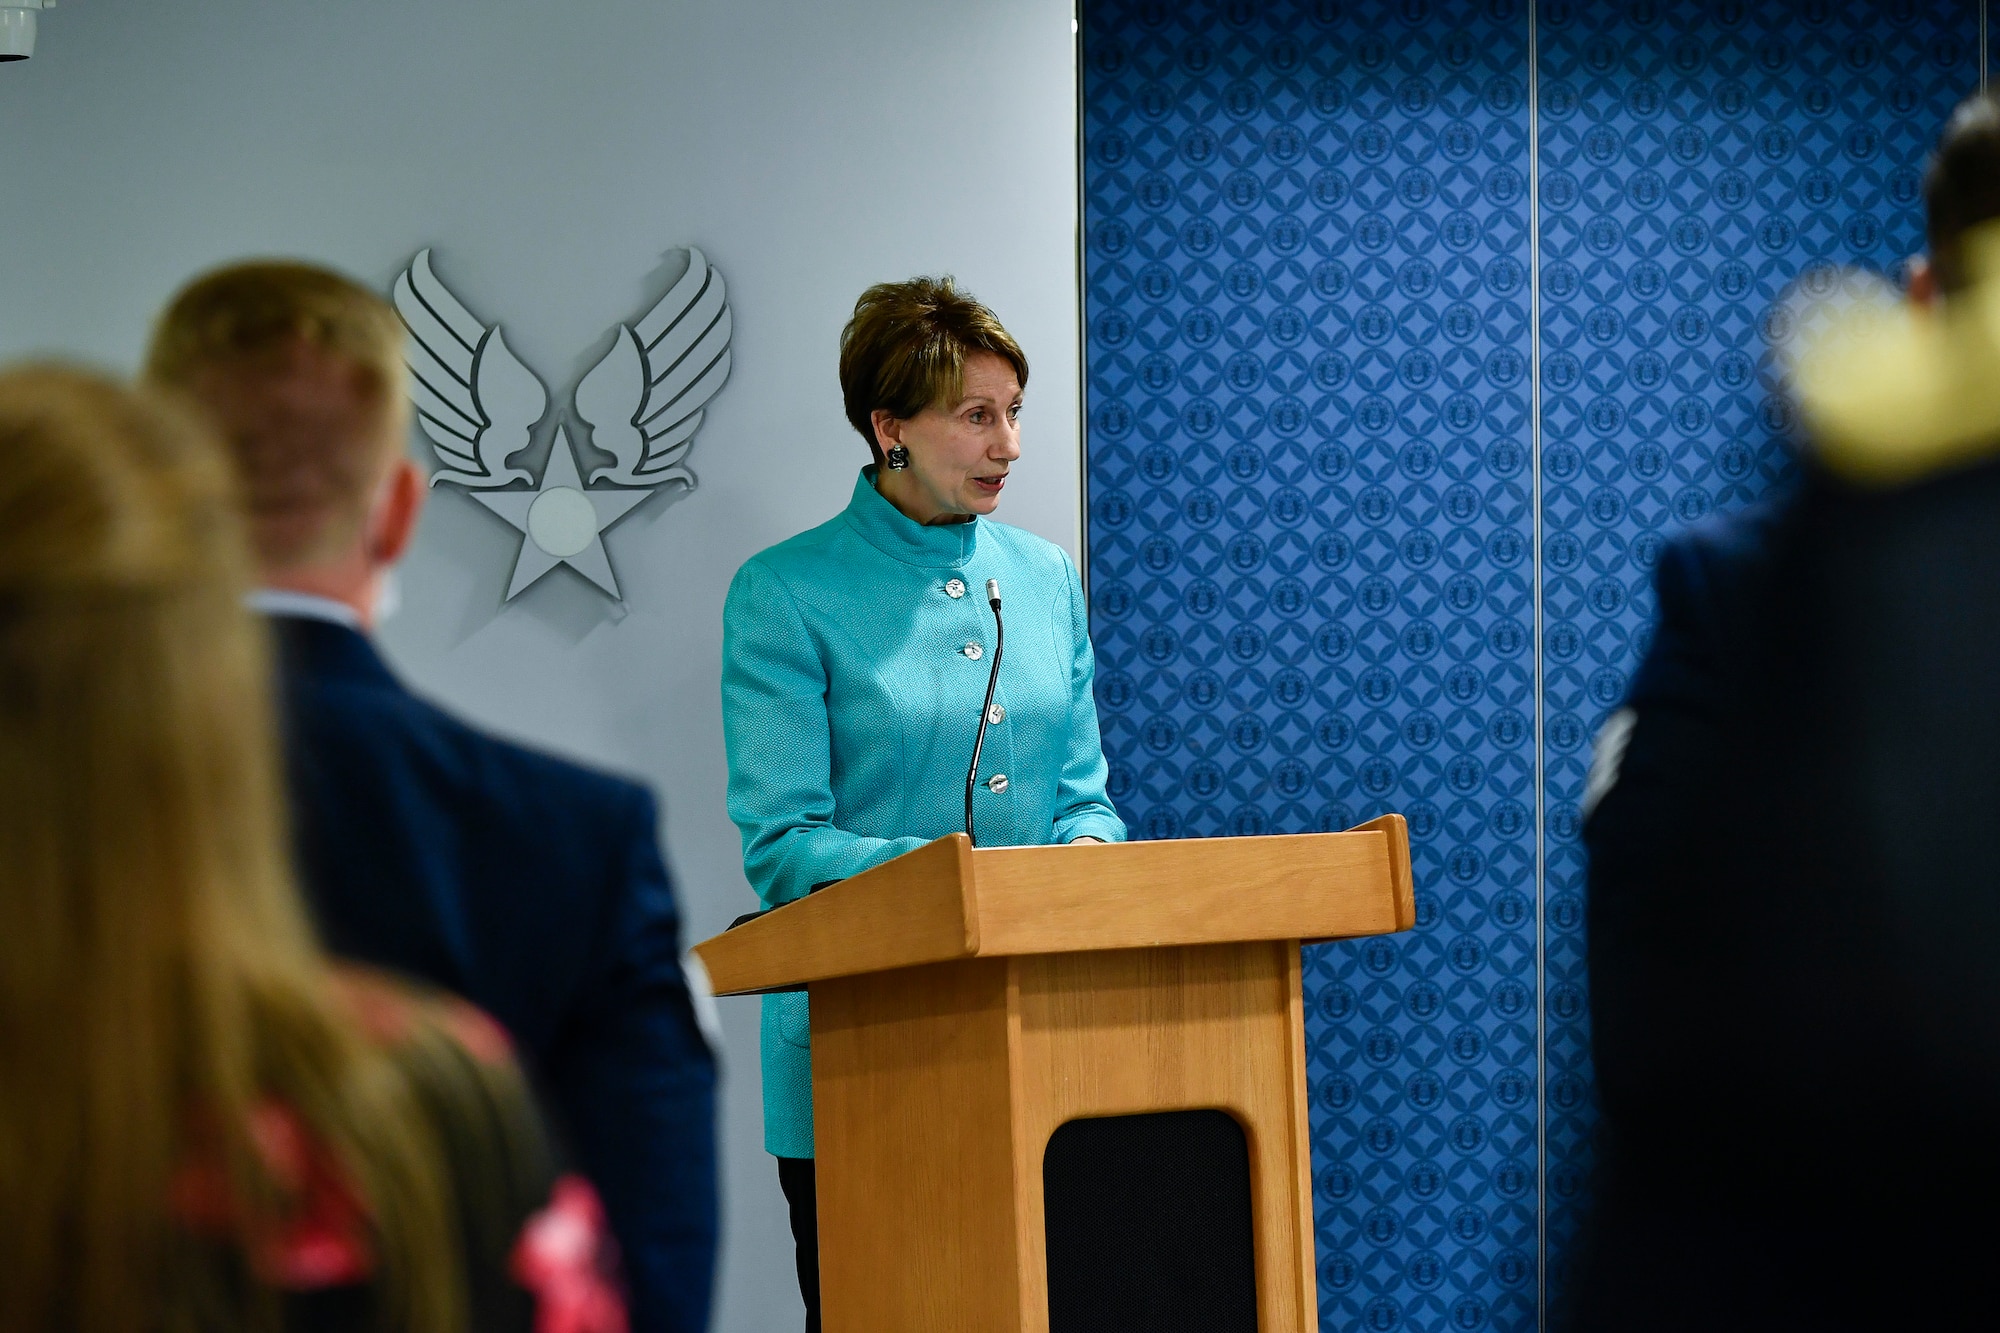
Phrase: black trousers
(800, 1183)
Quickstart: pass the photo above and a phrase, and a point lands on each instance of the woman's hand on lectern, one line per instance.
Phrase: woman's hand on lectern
(1085, 838)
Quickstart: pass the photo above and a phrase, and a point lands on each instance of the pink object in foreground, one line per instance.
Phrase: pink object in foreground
(320, 1238)
(566, 1259)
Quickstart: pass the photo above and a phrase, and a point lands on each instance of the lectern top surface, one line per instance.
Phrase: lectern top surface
(949, 900)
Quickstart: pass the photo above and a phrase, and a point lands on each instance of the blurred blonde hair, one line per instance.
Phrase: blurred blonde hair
(307, 495)
(156, 973)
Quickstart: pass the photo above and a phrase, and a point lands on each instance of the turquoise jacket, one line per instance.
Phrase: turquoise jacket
(853, 666)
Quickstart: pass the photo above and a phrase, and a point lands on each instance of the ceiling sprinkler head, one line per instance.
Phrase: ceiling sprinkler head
(17, 27)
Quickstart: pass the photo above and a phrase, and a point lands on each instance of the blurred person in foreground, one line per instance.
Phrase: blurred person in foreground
(203, 1125)
(1794, 912)
(531, 886)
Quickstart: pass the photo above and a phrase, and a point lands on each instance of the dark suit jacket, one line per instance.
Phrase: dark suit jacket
(1794, 927)
(534, 888)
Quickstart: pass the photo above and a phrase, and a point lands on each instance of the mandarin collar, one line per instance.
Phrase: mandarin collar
(895, 534)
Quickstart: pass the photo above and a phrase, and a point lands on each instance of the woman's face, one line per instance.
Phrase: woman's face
(960, 452)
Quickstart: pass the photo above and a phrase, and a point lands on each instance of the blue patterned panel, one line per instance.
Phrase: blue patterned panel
(1307, 280)
(1695, 159)
(1310, 373)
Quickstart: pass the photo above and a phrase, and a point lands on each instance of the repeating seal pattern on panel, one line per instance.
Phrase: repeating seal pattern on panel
(1310, 375)
(1307, 311)
(1697, 160)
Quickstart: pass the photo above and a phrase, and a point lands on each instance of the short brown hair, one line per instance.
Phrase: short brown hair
(905, 348)
(306, 497)
(1962, 186)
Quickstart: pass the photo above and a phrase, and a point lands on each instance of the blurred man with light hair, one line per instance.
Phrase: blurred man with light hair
(529, 885)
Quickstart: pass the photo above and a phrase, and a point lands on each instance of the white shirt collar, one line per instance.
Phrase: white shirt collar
(304, 606)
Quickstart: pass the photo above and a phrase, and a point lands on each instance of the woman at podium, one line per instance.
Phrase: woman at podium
(856, 660)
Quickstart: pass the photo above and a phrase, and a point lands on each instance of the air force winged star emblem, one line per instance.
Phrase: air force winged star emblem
(641, 404)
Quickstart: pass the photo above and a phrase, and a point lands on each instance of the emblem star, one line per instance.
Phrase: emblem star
(560, 522)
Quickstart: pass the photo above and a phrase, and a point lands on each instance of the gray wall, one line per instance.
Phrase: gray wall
(553, 154)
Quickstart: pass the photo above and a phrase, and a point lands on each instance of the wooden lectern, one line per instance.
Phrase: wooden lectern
(966, 1004)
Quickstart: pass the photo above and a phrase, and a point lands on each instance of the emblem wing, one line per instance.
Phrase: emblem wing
(644, 400)
(475, 400)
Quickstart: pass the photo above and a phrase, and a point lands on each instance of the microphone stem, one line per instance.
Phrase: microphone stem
(985, 712)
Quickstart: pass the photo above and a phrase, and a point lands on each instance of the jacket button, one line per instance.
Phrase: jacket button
(997, 783)
(996, 714)
(955, 589)
(973, 651)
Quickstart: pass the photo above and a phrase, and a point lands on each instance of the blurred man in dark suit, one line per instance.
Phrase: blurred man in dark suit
(532, 886)
(1794, 907)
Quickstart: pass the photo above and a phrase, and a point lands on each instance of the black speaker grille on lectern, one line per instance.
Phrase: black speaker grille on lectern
(1148, 1225)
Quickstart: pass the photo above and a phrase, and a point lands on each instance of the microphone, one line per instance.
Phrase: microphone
(985, 709)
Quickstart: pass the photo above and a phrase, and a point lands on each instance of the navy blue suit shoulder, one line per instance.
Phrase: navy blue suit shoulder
(535, 888)
(1791, 919)
(1708, 584)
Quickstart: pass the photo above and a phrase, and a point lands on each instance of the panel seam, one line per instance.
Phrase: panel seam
(1535, 566)
(1082, 330)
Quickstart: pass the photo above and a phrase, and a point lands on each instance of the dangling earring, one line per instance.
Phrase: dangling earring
(898, 458)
